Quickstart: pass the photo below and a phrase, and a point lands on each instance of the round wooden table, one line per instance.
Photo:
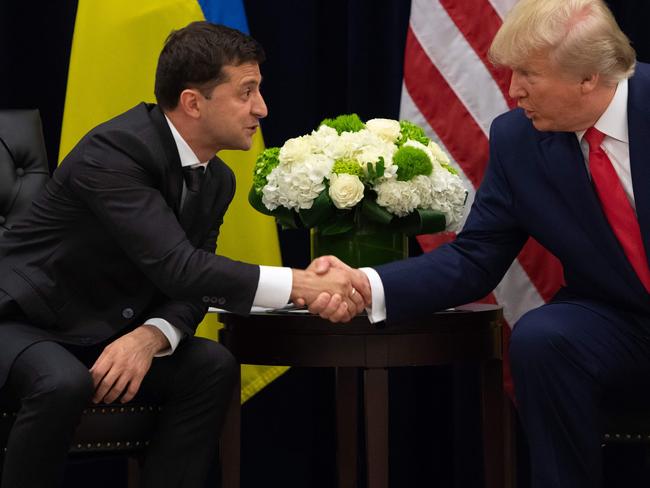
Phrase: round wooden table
(468, 333)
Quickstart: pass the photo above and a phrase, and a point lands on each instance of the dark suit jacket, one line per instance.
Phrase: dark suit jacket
(102, 249)
(536, 185)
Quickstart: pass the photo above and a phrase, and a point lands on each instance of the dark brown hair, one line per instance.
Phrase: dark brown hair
(193, 57)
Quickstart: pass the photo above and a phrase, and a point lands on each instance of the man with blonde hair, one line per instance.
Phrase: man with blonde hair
(570, 168)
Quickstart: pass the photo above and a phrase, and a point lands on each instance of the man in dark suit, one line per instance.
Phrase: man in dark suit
(103, 282)
(569, 167)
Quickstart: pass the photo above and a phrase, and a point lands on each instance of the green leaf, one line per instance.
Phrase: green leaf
(343, 222)
(321, 210)
(372, 211)
(255, 199)
(380, 167)
(286, 218)
(421, 222)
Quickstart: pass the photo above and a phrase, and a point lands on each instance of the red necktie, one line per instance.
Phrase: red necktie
(616, 206)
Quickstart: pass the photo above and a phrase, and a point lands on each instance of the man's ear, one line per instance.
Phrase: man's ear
(188, 102)
(589, 83)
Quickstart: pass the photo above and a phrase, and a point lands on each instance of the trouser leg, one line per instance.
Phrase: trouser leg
(566, 359)
(53, 388)
(194, 385)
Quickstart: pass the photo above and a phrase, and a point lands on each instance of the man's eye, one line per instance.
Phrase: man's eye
(247, 92)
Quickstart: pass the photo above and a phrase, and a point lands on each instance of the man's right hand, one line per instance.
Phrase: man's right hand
(330, 294)
(331, 305)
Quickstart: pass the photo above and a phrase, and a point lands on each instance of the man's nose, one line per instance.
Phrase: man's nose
(516, 89)
(259, 108)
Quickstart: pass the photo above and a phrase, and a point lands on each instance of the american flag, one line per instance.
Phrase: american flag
(452, 90)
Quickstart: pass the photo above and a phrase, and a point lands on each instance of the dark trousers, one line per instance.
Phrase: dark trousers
(571, 362)
(52, 384)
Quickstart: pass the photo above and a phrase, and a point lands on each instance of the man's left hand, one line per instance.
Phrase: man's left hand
(119, 370)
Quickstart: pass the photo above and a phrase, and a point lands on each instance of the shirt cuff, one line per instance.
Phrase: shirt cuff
(377, 309)
(274, 287)
(173, 335)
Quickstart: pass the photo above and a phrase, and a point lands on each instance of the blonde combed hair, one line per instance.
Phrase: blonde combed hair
(580, 36)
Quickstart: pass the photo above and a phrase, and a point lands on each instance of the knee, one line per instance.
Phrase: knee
(536, 338)
(212, 361)
(64, 389)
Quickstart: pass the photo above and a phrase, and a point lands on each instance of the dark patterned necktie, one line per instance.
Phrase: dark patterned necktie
(193, 180)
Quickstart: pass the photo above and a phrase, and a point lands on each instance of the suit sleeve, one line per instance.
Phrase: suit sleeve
(112, 178)
(468, 268)
(187, 314)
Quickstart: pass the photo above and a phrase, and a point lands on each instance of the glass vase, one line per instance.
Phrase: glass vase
(359, 248)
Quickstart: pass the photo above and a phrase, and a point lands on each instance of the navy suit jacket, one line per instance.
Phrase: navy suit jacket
(102, 249)
(536, 185)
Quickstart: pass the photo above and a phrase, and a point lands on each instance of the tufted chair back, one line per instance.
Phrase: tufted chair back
(23, 163)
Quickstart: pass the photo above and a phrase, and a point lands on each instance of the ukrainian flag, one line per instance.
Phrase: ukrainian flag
(112, 66)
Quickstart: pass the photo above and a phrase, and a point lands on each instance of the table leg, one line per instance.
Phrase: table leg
(510, 443)
(492, 403)
(376, 412)
(230, 445)
(347, 392)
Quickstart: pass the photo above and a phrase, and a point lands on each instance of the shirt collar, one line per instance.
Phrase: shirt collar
(185, 153)
(613, 122)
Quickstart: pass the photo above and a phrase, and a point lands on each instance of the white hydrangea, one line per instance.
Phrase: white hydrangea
(297, 184)
(323, 138)
(449, 194)
(398, 197)
(441, 191)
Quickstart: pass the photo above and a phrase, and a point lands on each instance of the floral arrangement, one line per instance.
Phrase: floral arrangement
(347, 175)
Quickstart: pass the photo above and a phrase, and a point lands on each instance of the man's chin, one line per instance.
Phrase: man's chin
(540, 124)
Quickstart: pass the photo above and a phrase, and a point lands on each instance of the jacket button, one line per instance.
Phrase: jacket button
(221, 301)
(20, 171)
(206, 299)
(127, 313)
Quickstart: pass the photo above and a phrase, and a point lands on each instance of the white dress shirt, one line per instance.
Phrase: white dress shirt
(616, 143)
(274, 285)
(612, 123)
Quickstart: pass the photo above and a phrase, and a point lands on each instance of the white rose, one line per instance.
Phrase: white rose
(345, 190)
(387, 129)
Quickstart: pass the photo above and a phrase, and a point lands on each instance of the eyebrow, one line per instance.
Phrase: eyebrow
(251, 81)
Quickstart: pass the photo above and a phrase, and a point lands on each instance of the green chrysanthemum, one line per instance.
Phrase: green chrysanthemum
(408, 130)
(345, 123)
(266, 161)
(349, 166)
(411, 162)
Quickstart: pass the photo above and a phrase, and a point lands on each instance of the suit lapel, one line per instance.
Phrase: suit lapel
(173, 172)
(565, 168)
(638, 114)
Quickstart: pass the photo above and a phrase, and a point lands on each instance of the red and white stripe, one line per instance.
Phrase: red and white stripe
(452, 90)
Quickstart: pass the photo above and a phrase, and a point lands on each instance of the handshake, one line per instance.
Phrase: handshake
(331, 289)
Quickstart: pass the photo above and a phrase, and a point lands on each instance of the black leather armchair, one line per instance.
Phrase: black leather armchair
(23, 173)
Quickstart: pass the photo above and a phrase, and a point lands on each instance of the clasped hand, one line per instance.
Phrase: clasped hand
(331, 289)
